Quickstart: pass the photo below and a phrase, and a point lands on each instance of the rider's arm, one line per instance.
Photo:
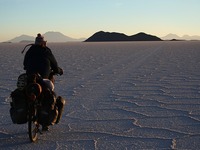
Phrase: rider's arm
(54, 64)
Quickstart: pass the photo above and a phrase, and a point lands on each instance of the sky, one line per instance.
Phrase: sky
(83, 18)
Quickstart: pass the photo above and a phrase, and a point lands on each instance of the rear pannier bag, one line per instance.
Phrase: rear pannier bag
(18, 110)
(49, 112)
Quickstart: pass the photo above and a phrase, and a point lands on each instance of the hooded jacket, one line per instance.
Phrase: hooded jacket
(40, 60)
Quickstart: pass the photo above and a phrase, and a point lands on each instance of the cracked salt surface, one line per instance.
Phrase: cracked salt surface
(131, 95)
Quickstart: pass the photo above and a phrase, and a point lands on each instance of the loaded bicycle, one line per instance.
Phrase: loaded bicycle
(35, 103)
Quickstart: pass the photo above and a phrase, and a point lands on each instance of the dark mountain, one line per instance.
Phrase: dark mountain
(144, 37)
(102, 36)
(49, 36)
(107, 36)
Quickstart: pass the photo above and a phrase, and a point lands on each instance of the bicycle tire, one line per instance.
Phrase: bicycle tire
(33, 128)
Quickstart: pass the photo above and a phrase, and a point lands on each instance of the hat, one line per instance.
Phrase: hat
(39, 39)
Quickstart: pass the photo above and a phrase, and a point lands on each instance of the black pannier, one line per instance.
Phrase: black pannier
(48, 112)
(18, 110)
(51, 112)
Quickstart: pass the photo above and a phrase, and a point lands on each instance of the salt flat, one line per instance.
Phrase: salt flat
(128, 95)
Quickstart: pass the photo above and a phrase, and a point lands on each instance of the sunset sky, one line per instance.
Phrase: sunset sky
(82, 18)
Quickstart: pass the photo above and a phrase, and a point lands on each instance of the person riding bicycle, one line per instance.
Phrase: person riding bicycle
(40, 60)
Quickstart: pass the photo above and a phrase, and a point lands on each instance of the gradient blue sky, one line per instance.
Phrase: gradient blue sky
(82, 18)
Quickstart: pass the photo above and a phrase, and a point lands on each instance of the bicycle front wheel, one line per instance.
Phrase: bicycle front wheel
(33, 128)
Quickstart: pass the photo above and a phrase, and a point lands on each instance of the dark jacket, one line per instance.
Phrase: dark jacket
(40, 60)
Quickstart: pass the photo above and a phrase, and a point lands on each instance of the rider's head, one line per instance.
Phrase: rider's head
(39, 40)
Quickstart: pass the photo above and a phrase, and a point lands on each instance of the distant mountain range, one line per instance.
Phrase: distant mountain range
(102, 36)
(114, 36)
(48, 36)
(185, 37)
